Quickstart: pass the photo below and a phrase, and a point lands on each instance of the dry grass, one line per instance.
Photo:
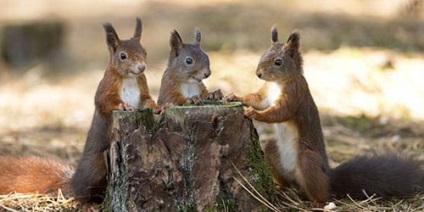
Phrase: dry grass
(370, 98)
(36, 202)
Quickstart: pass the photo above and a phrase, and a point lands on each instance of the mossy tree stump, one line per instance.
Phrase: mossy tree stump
(189, 159)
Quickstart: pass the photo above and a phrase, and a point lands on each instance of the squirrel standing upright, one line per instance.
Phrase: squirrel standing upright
(187, 66)
(298, 158)
(123, 87)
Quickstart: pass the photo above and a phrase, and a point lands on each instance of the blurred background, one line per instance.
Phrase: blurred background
(364, 61)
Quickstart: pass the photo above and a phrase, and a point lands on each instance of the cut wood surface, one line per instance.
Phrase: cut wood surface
(190, 158)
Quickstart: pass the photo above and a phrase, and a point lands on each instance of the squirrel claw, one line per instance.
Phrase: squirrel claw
(250, 112)
(231, 98)
(194, 100)
(126, 107)
(215, 95)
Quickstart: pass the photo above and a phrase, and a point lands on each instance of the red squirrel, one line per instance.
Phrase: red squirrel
(187, 66)
(123, 87)
(298, 158)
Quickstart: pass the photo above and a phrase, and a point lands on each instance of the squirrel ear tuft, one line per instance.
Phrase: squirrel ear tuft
(293, 41)
(274, 35)
(138, 29)
(112, 38)
(197, 37)
(176, 42)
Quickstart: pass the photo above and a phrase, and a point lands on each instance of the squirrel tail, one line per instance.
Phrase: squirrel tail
(34, 174)
(386, 176)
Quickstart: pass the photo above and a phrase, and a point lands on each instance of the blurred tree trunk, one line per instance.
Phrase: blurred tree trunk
(188, 160)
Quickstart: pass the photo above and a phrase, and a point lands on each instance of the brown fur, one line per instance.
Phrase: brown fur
(298, 157)
(294, 107)
(89, 181)
(34, 175)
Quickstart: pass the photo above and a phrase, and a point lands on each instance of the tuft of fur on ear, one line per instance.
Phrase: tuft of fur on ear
(293, 41)
(112, 38)
(176, 42)
(138, 29)
(274, 35)
(197, 37)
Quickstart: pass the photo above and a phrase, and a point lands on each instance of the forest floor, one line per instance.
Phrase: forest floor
(370, 98)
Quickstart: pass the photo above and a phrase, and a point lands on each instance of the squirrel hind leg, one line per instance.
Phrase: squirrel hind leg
(312, 177)
(89, 180)
(272, 158)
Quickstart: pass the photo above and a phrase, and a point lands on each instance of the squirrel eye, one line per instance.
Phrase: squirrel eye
(123, 56)
(189, 60)
(278, 62)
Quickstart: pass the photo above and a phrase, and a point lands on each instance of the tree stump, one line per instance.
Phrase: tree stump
(191, 158)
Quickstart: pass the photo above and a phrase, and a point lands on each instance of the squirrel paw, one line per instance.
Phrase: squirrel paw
(215, 95)
(231, 98)
(250, 113)
(125, 107)
(195, 100)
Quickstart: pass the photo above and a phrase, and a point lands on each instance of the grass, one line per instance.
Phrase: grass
(36, 202)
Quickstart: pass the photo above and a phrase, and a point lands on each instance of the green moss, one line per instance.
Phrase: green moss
(260, 173)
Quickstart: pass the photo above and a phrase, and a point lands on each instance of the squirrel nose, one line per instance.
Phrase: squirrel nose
(207, 74)
(140, 69)
(259, 75)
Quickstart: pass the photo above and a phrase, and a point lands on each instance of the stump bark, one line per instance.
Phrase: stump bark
(188, 159)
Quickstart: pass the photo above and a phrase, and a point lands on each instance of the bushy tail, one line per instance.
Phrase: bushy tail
(386, 176)
(34, 174)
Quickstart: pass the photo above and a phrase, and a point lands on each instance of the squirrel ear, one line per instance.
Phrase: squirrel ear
(138, 29)
(112, 38)
(197, 37)
(293, 41)
(176, 42)
(274, 35)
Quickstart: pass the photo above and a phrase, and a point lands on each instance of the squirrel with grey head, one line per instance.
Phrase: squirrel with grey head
(187, 66)
(298, 158)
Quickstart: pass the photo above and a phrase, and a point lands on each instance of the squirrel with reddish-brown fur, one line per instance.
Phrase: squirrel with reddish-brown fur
(297, 158)
(123, 87)
(187, 66)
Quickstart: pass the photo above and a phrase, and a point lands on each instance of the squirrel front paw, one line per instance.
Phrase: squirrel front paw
(215, 95)
(231, 98)
(250, 113)
(195, 100)
(125, 107)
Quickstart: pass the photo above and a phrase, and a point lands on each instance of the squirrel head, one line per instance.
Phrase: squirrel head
(281, 61)
(127, 57)
(188, 61)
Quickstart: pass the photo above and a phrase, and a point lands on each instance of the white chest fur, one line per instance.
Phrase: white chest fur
(190, 89)
(273, 92)
(130, 93)
(287, 136)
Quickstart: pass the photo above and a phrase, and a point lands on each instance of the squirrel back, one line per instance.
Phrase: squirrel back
(34, 175)
(123, 87)
(187, 66)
